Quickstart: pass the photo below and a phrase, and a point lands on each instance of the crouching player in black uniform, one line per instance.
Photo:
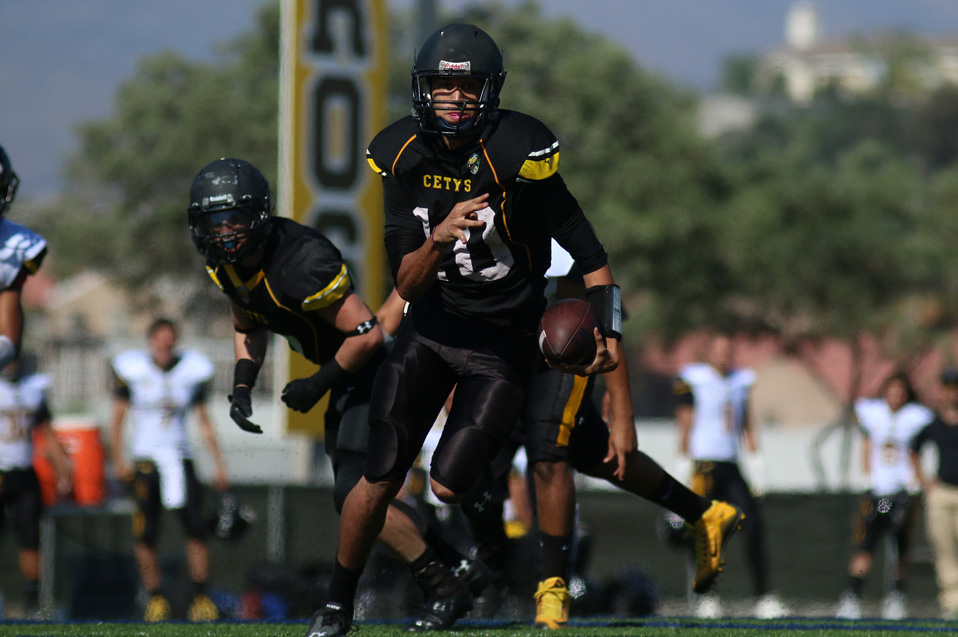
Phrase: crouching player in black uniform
(285, 278)
(566, 432)
(472, 197)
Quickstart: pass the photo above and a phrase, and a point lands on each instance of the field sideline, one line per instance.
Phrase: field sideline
(593, 627)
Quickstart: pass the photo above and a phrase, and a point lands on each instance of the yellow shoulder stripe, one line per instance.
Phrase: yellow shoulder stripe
(372, 164)
(539, 167)
(216, 279)
(336, 290)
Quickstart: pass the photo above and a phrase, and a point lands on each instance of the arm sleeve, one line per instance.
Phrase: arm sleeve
(199, 396)
(683, 393)
(919, 439)
(551, 199)
(42, 414)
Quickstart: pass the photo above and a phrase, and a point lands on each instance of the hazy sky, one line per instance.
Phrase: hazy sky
(63, 59)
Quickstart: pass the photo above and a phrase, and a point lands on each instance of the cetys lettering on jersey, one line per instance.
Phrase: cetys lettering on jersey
(439, 182)
(254, 316)
(484, 256)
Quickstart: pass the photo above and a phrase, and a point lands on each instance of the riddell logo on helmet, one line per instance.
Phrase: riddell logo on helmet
(455, 66)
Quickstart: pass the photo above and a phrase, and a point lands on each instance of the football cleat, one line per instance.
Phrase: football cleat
(157, 609)
(552, 604)
(202, 609)
(474, 574)
(849, 607)
(330, 621)
(711, 533)
(442, 612)
(893, 606)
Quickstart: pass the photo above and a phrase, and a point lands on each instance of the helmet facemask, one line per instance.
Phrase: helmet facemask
(472, 114)
(229, 233)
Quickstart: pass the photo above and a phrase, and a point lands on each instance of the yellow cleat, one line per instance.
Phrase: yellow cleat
(157, 610)
(202, 609)
(712, 532)
(552, 604)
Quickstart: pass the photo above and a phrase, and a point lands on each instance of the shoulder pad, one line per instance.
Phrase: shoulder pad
(392, 144)
(198, 366)
(526, 145)
(131, 365)
(695, 372)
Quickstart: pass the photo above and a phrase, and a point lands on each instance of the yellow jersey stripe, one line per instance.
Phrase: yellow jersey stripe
(399, 154)
(216, 279)
(539, 169)
(296, 314)
(336, 290)
(505, 222)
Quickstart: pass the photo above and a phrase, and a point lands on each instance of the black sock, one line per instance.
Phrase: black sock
(199, 588)
(434, 577)
(679, 499)
(556, 552)
(342, 585)
(31, 593)
(444, 551)
(857, 584)
(898, 585)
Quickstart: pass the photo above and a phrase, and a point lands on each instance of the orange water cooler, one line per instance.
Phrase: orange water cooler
(82, 441)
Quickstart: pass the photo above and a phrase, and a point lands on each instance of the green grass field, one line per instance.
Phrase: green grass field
(612, 627)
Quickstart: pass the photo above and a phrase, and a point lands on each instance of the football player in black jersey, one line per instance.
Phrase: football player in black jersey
(285, 278)
(472, 198)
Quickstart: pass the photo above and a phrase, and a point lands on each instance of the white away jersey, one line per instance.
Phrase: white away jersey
(19, 403)
(890, 433)
(159, 401)
(719, 411)
(19, 247)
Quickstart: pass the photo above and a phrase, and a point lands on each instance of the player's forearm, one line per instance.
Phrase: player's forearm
(620, 395)
(683, 418)
(251, 345)
(418, 270)
(356, 350)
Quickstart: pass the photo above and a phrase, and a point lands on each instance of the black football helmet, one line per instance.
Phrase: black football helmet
(8, 182)
(230, 210)
(457, 49)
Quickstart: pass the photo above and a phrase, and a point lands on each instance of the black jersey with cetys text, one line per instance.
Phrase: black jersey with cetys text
(499, 273)
(302, 272)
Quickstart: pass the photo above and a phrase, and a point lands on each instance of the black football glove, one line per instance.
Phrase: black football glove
(303, 393)
(241, 408)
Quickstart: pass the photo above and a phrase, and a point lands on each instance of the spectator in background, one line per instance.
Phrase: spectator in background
(941, 493)
(160, 387)
(21, 255)
(713, 418)
(24, 413)
(888, 424)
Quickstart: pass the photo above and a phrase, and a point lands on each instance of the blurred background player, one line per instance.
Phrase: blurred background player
(24, 413)
(888, 425)
(285, 278)
(713, 417)
(159, 387)
(564, 432)
(941, 492)
(22, 253)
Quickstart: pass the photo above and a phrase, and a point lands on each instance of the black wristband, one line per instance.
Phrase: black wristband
(329, 374)
(606, 300)
(244, 373)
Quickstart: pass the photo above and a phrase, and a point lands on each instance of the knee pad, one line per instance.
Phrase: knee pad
(463, 460)
(385, 457)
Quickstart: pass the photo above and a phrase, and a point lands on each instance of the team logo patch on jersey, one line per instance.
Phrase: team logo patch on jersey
(473, 163)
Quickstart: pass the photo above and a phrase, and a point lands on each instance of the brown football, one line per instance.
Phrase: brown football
(566, 332)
